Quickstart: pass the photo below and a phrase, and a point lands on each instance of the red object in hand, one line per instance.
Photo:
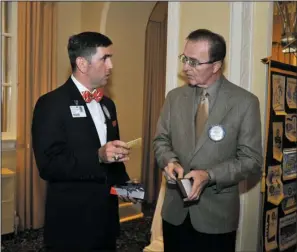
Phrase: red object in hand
(113, 191)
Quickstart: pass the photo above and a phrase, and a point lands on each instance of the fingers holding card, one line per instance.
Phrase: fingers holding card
(135, 143)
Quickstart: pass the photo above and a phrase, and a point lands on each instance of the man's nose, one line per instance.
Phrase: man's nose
(109, 63)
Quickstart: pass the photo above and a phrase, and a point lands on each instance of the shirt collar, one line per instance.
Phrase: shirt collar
(81, 88)
(212, 89)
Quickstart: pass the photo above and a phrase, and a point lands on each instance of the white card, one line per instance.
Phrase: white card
(78, 111)
(135, 143)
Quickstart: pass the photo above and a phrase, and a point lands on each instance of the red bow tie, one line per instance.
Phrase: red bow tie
(97, 95)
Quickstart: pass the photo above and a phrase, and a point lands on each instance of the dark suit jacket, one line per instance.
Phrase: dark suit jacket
(80, 212)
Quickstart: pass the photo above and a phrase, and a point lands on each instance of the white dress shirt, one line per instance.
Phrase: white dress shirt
(96, 113)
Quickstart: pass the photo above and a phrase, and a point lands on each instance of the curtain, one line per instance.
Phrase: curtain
(36, 76)
(154, 94)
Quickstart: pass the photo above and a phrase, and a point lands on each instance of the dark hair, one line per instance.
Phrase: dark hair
(85, 45)
(217, 49)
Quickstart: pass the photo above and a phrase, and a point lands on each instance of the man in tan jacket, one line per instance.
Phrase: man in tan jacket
(210, 132)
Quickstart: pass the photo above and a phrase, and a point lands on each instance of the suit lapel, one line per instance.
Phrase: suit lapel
(77, 99)
(108, 118)
(219, 110)
(188, 111)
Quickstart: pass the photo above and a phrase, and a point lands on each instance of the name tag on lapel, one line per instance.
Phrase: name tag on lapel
(78, 111)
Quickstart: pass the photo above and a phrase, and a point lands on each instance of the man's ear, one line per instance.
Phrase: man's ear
(82, 64)
(217, 66)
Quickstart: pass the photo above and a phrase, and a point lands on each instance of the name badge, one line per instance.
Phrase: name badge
(78, 111)
(216, 133)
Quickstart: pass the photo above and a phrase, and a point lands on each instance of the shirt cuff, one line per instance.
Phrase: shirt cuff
(172, 160)
(100, 161)
(212, 177)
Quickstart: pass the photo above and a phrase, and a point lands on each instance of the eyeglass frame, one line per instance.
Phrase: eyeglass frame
(196, 62)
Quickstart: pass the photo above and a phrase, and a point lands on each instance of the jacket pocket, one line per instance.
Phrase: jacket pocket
(230, 189)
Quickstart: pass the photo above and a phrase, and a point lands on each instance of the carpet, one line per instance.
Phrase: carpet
(135, 235)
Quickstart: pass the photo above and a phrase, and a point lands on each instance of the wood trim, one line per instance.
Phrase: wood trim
(282, 71)
(133, 217)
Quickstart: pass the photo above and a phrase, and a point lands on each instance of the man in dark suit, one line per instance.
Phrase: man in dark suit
(209, 130)
(77, 149)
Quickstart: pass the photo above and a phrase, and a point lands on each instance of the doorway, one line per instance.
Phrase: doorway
(153, 95)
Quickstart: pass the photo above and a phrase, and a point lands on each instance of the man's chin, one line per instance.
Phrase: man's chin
(101, 84)
(191, 83)
(195, 84)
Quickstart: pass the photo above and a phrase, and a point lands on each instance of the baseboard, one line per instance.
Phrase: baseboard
(132, 217)
(129, 211)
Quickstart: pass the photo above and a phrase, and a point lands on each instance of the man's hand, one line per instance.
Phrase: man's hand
(114, 151)
(201, 179)
(171, 170)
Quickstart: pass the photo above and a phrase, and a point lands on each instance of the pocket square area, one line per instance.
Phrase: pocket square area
(114, 123)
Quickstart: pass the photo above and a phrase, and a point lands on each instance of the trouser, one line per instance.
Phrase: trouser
(185, 238)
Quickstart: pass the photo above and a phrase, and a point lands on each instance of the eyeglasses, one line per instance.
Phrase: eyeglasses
(193, 62)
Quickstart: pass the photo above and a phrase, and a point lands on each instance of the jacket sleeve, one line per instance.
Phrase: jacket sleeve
(55, 160)
(249, 159)
(162, 142)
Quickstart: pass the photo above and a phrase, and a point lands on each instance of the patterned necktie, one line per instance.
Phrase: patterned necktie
(97, 95)
(202, 113)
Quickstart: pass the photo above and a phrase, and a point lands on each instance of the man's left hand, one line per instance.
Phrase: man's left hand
(201, 179)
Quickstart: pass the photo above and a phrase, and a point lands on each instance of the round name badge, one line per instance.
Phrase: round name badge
(216, 133)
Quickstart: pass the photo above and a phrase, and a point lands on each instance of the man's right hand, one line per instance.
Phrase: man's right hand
(114, 151)
(171, 170)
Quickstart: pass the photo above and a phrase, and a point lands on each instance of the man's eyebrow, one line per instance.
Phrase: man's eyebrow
(193, 59)
(106, 56)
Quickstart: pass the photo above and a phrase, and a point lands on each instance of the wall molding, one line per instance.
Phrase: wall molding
(241, 43)
(173, 27)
